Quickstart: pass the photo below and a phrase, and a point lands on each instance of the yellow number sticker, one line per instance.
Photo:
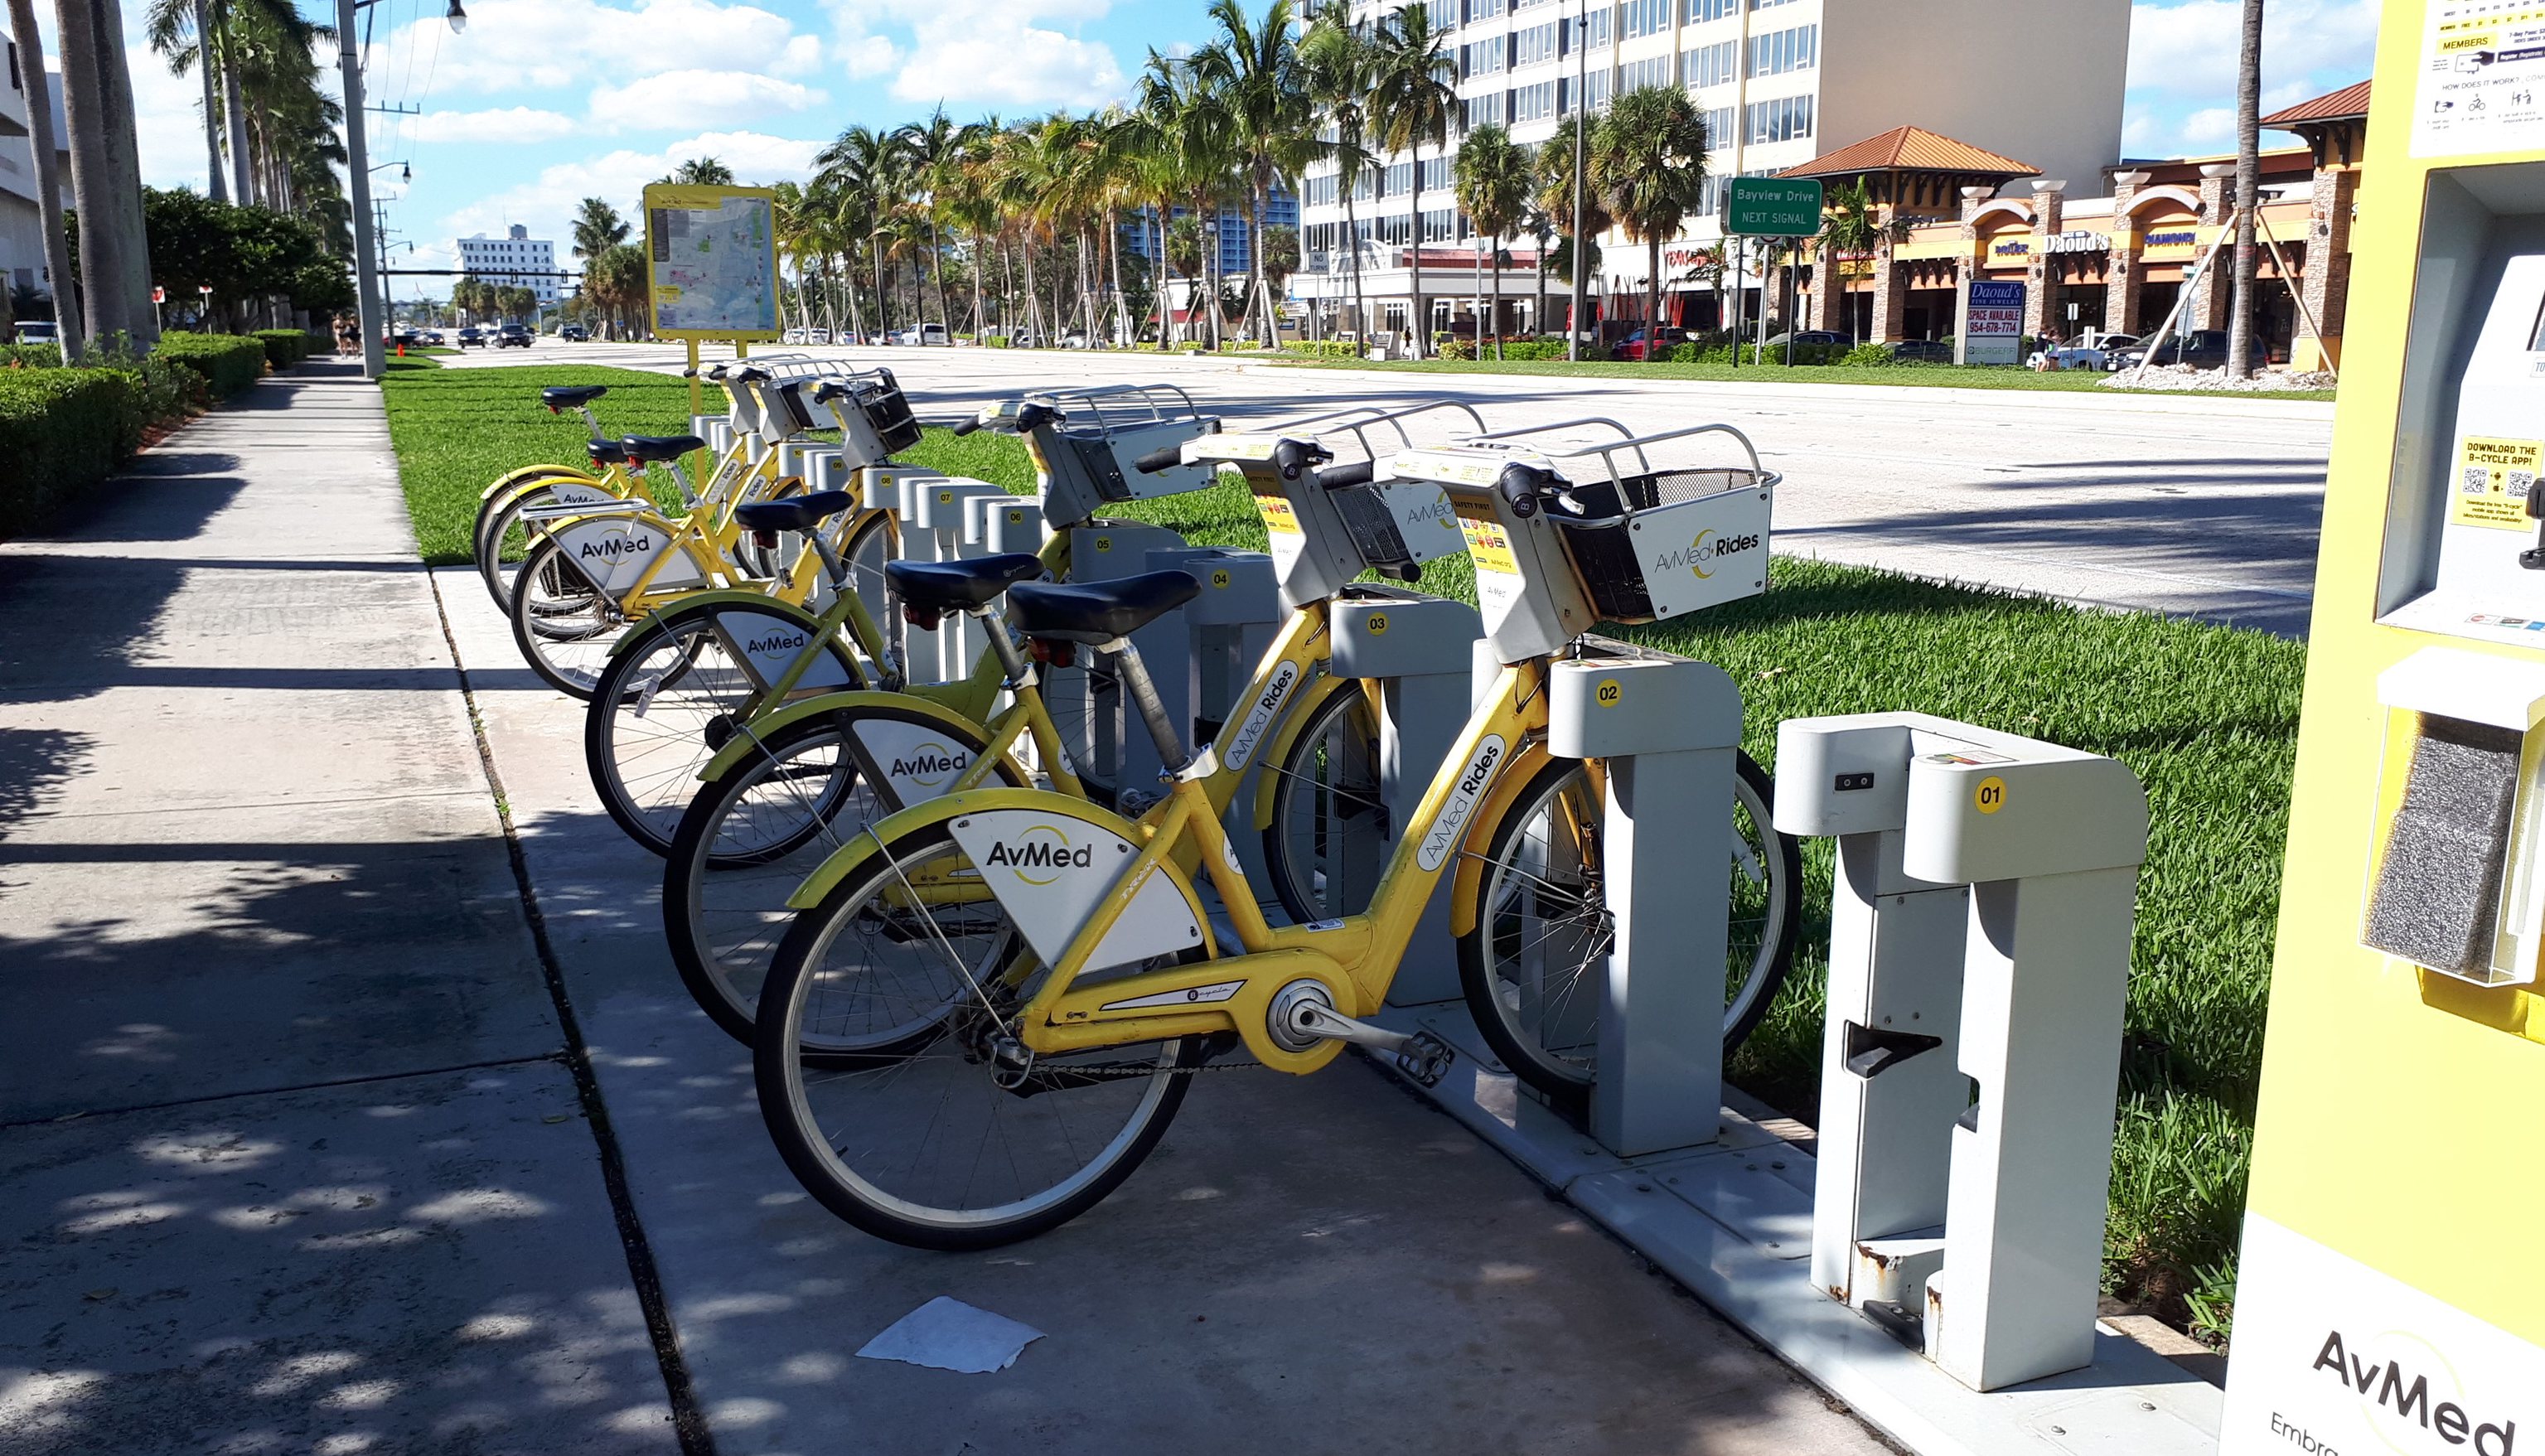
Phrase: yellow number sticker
(1104, 544)
(1990, 796)
(1219, 579)
(1608, 693)
(1377, 624)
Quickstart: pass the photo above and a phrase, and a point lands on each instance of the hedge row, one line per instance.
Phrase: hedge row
(61, 432)
(228, 362)
(285, 347)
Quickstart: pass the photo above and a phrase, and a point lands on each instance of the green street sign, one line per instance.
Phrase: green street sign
(1772, 207)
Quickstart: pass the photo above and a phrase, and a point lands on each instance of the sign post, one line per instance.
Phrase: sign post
(711, 267)
(1769, 207)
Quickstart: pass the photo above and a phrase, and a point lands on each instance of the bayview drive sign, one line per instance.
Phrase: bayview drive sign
(1772, 207)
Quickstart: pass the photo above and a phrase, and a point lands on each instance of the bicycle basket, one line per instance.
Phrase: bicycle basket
(1090, 460)
(1652, 546)
(1396, 523)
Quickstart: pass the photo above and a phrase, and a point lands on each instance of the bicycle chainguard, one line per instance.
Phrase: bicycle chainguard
(1426, 1059)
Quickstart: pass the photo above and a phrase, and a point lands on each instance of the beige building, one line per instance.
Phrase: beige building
(1776, 79)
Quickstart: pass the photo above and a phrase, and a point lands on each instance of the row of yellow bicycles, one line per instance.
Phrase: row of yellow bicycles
(979, 970)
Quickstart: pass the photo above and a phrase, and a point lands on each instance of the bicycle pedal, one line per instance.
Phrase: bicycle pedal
(1426, 1058)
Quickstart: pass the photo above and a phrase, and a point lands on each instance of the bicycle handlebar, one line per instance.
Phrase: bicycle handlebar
(1162, 458)
(968, 424)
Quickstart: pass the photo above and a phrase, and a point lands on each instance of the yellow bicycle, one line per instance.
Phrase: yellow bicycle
(991, 1005)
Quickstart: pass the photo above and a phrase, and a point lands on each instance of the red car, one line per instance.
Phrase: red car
(1666, 340)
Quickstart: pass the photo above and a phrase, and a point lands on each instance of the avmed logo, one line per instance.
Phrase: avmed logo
(616, 546)
(2394, 1394)
(929, 765)
(775, 642)
(1709, 547)
(1461, 804)
(1045, 847)
(1260, 716)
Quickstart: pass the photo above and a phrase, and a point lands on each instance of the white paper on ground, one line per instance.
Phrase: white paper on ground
(949, 1334)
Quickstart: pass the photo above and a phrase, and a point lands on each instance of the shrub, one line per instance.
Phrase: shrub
(1324, 349)
(61, 432)
(228, 362)
(1868, 355)
(1455, 349)
(284, 348)
(30, 356)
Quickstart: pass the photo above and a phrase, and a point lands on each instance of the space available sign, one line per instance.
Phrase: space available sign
(2335, 1358)
(1994, 331)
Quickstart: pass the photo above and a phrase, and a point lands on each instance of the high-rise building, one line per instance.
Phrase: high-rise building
(1234, 230)
(1779, 82)
(515, 260)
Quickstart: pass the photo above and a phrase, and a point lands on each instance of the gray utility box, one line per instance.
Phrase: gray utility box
(1414, 650)
(1088, 703)
(1000, 525)
(938, 512)
(1979, 961)
(1667, 731)
(1227, 630)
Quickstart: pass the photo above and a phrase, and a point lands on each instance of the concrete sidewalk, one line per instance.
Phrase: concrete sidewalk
(292, 1151)
(290, 1155)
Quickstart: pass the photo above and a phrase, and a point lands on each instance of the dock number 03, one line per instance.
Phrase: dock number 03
(1990, 795)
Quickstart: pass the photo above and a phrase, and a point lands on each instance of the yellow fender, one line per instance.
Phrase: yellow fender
(532, 475)
(741, 746)
(1284, 737)
(1463, 885)
(717, 597)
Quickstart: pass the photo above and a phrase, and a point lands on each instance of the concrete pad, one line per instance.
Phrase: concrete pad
(424, 1264)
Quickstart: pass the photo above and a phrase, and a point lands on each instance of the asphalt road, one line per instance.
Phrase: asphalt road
(2178, 504)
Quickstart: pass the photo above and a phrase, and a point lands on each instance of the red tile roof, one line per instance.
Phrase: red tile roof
(1912, 149)
(2348, 104)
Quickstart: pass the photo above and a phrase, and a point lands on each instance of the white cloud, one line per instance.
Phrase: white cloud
(546, 203)
(2192, 46)
(676, 99)
(517, 123)
(554, 43)
(1022, 67)
(855, 46)
(167, 112)
(2210, 128)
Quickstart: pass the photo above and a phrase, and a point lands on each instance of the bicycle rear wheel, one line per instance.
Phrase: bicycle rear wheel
(563, 623)
(503, 540)
(941, 1136)
(751, 836)
(1542, 930)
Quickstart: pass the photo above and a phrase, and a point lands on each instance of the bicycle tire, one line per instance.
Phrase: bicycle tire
(1315, 873)
(495, 516)
(724, 907)
(1566, 1081)
(877, 1101)
(595, 615)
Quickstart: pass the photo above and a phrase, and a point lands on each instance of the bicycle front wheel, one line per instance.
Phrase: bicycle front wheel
(1327, 842)
(1541, 934)
(942, 1136)
(751, 836)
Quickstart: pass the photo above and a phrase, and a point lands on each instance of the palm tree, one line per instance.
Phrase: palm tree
(1410, 104)
(701, 172)
(1173, 131)
(1851, 224)
(597, 229)
(1255, 68)
(1335, 63)
(859, 168)
(2249, 178)
(48, 186)
(1648, 155)
(928, 152)
(1494, 180)
(1554, 202)
(181, 31)
(105, 176)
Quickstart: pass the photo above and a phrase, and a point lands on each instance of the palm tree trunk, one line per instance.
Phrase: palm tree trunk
(1352, 241)
(2248, 142)
(1257, 297)
(49, 182)
(1420, 329)
(1537, 309)
(234, 105)
(1497, 245)
(215, 179)
(88, 105)
(883, 304)
(1114, 260)
(1652, 299)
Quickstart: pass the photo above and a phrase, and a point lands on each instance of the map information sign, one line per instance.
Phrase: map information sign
(1772, 206)
(711, 261)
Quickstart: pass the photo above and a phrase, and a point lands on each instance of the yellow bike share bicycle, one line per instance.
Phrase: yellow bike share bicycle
(1032, 981)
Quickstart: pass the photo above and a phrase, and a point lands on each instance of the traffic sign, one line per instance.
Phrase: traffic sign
(1772, 207)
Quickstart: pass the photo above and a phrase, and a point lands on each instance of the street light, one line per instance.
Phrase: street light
(366, 275)
(457, 17)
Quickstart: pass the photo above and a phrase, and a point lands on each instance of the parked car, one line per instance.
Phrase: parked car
(512, 335)
(1810, 336)
(923, 334)
(406, 338)
(1662, 341)
(432, 336)
(2095, 354)
(1920, 350)
(2202, 349)
(574, 333)
(39, 331)
(472, 337)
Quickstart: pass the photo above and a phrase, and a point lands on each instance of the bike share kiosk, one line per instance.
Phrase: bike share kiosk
(1570, 534)
(1979, 959)
(2388, 1293)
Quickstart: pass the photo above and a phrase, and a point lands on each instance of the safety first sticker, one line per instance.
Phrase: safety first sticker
(1279, 516)
(1487, 544)
(2492, 480)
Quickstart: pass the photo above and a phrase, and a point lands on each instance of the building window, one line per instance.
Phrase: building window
(1365, 184)
(1440, 227)
(1320, 191)
(1768, 4)
(1483, 59)
(1484, 111)
(1533, 103)
(1701, 11)
(1536, 44)
(1400, 178)
(1719, 125)
(1435, 173)
(1483, 10)
(1599, 29)
(1711, 66)
(1397, 229)
(1785, 119)
(1597, 90)
(1652, 72)
(1647, 17)
(1779, 51)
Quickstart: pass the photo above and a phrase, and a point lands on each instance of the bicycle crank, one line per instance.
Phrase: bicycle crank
(1303, 1014)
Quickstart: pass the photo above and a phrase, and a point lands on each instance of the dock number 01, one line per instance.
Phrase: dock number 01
(1990, 795)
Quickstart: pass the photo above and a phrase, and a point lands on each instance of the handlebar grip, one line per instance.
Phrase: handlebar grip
(1343, 477)
(1290, 458)
(968, 424)
(1161, 459)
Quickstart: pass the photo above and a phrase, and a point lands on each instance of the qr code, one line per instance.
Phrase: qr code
(2475, 481)
(2520, 482)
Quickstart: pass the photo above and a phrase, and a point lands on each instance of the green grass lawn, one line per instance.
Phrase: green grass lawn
(1914, 376)
(2206, 715)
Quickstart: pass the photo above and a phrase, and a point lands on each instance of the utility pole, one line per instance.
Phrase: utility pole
(367, 271)
(1580, 169)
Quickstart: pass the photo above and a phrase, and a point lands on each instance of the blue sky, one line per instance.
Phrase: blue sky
(541, 103)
